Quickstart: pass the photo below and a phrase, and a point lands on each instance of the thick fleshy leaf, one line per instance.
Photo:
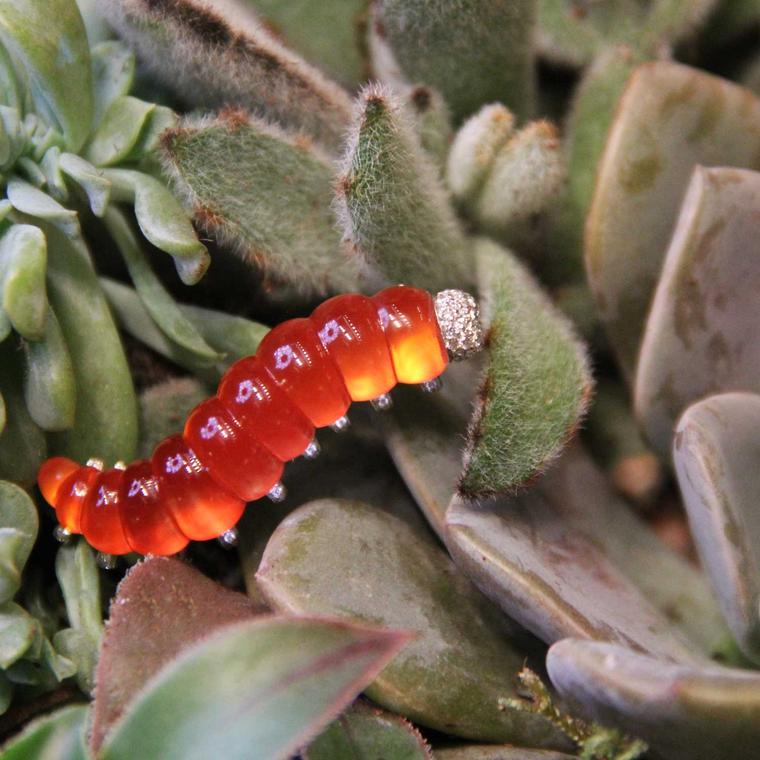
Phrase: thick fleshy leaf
(18, 531)
(700, 336)
(32, 201)
(90, 179)
(685, 712)
(222, 56)
(328, 33)
(113, 72)
(49, 385)
(365, 732)
(50, 166)
(392, 206)
(233, 336)
(472, 54)
(243, 178)
(18, 630)
(118, 131)
(52, 737)
(138, 642)
(268, 686)
(497, 752)
(56, 59)
(716, 454)
(536, 386)
(340, 557)
(432, 121)
(162, 220)
(23, 258)
(670, 118)
(79, 581)
(106, 408)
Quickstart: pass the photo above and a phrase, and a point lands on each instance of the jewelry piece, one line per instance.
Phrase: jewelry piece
(304, 376)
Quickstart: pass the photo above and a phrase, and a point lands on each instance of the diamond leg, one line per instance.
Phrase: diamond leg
(382, 403)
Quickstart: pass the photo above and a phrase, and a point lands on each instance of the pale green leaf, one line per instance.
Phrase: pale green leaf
(58, 736)
(32, 201)
(113, 72)
(118, 131)
(90, 179)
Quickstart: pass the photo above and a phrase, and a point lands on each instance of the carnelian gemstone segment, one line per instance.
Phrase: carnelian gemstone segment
(232, 455)
(411, 329)
(71, 495)
(349, 328)
(51, 476)
(295, 357)
(251, 394)
(101, 514)
(201, 507)
(148, 524)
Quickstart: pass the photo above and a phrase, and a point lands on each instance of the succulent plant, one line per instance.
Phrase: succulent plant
(488, 579)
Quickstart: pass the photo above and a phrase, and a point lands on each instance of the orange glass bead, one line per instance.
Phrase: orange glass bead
(71, 495)
(101, 514)
(411, 329)
(51, 476)
(297, 360)
(350, 330)
(201, 507)
(251, 394)
(232, 455)
(148, 524)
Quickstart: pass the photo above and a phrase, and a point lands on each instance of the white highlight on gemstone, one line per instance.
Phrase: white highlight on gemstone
(283, 356)
(79, 489)
(174, 463)
(330, 332)
(136, 487)
(384, 317)
(210, 429)
(245, 391)
(102, 497)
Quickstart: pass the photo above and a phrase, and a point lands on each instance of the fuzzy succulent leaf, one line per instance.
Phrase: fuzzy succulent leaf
(472, 53)
(364, 731)
(49, 384)
(699, 712)
(265, 193)
(162, 220)
(329, 33)
(670, 118)
(60, 734)
(432, 121)
(452, 675)
(716, 453)
(138, 643)
(18, 531)
(536, 387)
(23, 258)
(106, 407)
(700, 336)
(56, 59)
(282, 680)
(391, 203)
(118, 130)
(222, 56)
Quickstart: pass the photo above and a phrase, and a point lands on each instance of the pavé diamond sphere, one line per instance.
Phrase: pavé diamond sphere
(459, 319)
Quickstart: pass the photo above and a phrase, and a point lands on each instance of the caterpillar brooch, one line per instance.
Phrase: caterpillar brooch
(304, 375)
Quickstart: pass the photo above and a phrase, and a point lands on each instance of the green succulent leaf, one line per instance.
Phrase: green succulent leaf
(366, 732)
(91, 180)
(18, 532)
(268, 685)
(118, 131)
(242, 177)
(392, 206)
(716, 453)
(146, 151)
(11, 94)
(55, 56)
(700, 334)
(497, 752)
(451, 677)
(153, 592)
(217, 58)
(113, 73)
(162, 220)
(49, 385)
(18, 630)
(432, 121)
(58, 735)
(106, 408)
(50, 166)
(670, 118)
(32, 201)
(700, 712)
(472, 53)
(79, 581)
(536, 387)
(23, 258)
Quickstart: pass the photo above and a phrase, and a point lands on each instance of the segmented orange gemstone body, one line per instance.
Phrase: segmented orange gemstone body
(101, 514)
(201, 508)
(295, 357)
(148, 524)
(231, 453)
(349, 328)
(52, 475)
(407, 316)
(71, 495)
